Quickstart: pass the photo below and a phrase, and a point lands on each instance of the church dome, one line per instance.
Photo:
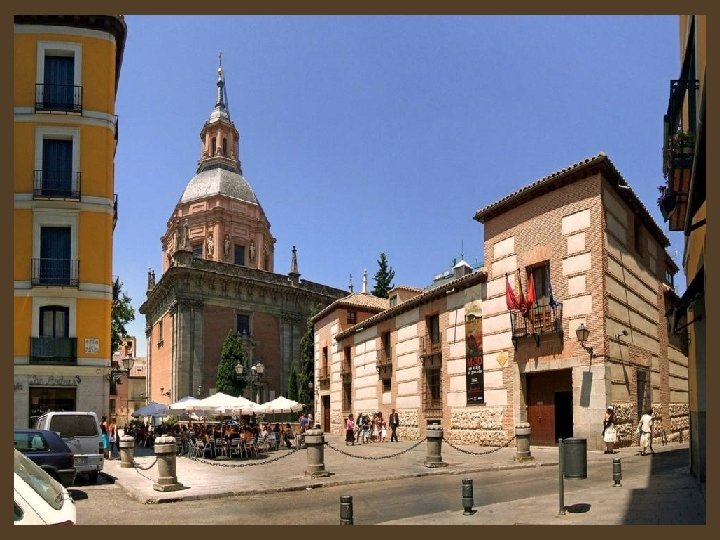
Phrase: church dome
(217, 181)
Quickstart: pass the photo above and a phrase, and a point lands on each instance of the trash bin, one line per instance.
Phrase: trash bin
(575, 454)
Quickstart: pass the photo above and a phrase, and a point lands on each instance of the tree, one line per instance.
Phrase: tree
(233, 352)
(383, 277)
(121, 313)
(292, 383)
(307, 361)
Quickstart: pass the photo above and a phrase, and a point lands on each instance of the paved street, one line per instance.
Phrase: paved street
(656, 490)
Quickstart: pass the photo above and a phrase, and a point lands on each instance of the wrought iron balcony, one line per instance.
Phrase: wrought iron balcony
(383, 362)
(56, 185)
(324, 379)
(65, 98)
(115, 210)
(430, 346)
(59, 272)
(541, 320)
(345, 370)
(53, 350)
(678, 151)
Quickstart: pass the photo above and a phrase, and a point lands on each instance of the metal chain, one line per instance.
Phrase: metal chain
(375, 457)
(138, 468)
(451, 445)
(249, 464)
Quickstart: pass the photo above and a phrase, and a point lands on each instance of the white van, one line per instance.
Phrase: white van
(81, 432)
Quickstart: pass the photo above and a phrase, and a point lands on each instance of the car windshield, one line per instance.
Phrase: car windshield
(39, 481)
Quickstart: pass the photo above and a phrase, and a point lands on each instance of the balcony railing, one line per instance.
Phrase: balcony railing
(65, 98)
(53, 350)
(345, 370)
(679, 145)
(56, 185)
(430, 346)
(541, 320)
(59, 272)
(324, 379)
(383, 362)
(115, 210)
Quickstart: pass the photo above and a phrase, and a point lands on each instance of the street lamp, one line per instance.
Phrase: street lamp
(116, 373)
(256, 373)
(583, 334)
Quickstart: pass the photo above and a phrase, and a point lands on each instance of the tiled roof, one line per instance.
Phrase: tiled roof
(570, 174)
(469, 280)
(359, 300)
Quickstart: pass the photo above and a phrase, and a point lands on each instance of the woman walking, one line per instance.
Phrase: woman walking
(609, 432)
(645, 427)
(350, 430)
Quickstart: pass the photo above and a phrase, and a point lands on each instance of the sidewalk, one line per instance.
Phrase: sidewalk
(284, 470)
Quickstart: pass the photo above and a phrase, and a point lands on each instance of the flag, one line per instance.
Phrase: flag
(510, 298)
(551, 302)
(531, 294)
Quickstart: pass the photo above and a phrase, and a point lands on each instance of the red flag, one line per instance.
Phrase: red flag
(531, 295)
(510, 298)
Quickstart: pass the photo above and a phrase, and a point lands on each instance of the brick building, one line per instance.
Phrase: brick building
(218, 259)
(455, 354)
(588, 241)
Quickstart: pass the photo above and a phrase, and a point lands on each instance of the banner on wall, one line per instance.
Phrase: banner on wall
(474, 380)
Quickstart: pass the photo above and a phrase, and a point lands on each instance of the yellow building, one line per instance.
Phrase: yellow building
(65, 78)
(683, 205)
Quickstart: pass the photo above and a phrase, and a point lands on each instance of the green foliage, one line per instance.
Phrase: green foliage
(171, 420)
(292, 383)
(227, 381)
(307, 361)
(121, 313)
(383, 277)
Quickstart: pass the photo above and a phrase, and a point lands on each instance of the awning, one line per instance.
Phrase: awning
(695, 290)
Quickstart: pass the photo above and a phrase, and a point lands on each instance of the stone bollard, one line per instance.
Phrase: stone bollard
(522, 442)
(127, 451)
(434, 447)
(314, 442)
(165, 450)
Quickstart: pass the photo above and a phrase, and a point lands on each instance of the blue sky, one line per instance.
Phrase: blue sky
(362, 134)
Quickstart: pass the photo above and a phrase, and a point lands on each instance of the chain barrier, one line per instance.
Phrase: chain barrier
(375, 457)
(248, 464)
(505, 444)
(139, 468)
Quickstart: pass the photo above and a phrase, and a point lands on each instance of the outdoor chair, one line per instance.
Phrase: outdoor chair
(220, 448)
(236, 448)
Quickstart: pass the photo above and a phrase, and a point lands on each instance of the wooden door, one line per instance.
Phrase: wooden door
(326, 413)
(541, 417)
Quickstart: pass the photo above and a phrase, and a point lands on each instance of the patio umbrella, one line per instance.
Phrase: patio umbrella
(153, 409)
(181, 403)
(221, 403)
(280, 405)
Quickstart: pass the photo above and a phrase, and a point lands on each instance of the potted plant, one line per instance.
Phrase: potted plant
(678, 151)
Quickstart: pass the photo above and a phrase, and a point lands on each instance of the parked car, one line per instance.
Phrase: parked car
(39, 499)
(48, 450)
(81, 432)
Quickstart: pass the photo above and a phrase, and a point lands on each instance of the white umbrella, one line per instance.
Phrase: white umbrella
(153, 409)
(181, 403)
(222, 403)
(280, 405)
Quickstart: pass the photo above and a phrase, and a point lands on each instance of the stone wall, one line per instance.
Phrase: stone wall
(479, 426)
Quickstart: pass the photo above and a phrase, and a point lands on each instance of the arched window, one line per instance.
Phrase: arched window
(224, 147)
(213, 146)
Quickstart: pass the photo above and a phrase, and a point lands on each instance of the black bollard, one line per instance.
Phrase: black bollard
(467, 496)
(561, 469)
(346, 511)
(617, 472)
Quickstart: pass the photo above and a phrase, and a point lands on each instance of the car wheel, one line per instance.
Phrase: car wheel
(93, 476)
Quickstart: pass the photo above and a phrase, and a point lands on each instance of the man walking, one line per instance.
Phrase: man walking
(394, 422)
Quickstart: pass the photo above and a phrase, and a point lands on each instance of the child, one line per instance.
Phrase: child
(383, 431)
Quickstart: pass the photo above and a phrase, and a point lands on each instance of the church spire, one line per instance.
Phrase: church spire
(294, 274)
(220, 139)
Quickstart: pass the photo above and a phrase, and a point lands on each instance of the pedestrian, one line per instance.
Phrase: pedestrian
(394, 422)
(609, 432)
(383, 430)
(111, 439)
(645, 427)
(104, 437)
(349, 430)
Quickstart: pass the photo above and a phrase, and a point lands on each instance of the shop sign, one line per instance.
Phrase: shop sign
(53, 380)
